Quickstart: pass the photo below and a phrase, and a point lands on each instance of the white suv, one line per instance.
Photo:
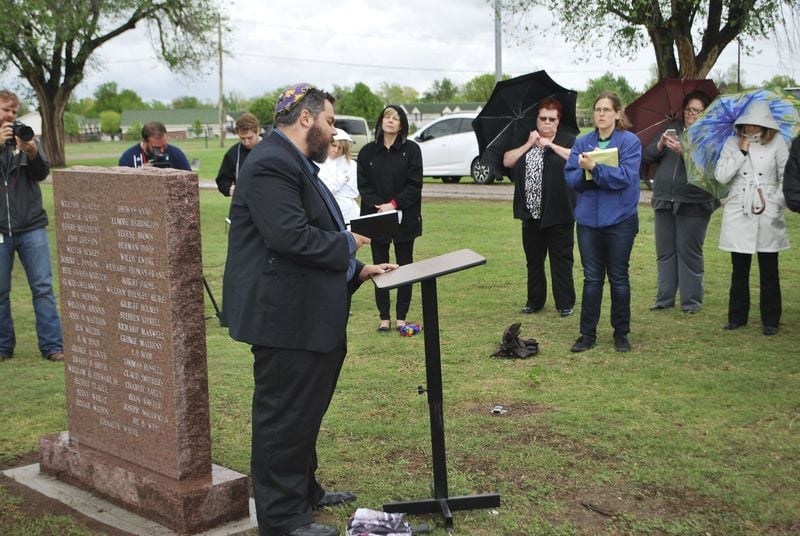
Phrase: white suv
(450, 150)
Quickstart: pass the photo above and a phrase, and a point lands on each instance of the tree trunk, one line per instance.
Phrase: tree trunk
(51, 107)
(665, 54)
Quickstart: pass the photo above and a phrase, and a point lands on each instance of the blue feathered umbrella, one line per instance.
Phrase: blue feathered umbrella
(704, 139)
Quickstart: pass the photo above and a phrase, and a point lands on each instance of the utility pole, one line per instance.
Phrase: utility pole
(221, 102)
(738, 65)
(498, 46)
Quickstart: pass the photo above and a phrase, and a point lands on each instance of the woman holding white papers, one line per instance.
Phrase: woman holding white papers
(338, 173)
(544, 204)
(389, 178)
(606, 212)
(681, 216)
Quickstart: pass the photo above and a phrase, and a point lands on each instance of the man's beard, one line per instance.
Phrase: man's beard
(318, 144)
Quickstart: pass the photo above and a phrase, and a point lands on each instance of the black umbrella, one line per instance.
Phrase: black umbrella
(510, 114)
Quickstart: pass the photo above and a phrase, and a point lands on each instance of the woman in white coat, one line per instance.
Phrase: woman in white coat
(752, 161)
(338, 173)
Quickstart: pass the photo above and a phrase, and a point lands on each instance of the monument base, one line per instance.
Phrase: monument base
(187, 506)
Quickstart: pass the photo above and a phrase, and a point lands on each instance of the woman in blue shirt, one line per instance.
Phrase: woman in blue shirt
(606, 213)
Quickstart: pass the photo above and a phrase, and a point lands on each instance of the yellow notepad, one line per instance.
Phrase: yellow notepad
(608, 157)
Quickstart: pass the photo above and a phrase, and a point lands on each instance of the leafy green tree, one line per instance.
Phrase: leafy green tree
(83, 107)
(109, 123)
(687, 36)
(397, 94)
(480, 88)
(443, 90)
(729, 80)
(197, 127)
(71, 126)
(779, 83)
(107, 97)
(361, 101)
(51, 43)
(264, 107)
(134, 132)
(235, 101)
(607, 82)
(190, 103)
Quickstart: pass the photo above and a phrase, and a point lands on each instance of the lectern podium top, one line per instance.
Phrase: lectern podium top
(429, 269)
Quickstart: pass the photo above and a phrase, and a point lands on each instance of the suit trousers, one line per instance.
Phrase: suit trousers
(679, 258)
(404, 253)
(559, 242)
(770, 293)
(293, 389)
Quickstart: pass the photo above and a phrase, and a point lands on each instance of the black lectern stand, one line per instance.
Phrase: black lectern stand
(426, 273)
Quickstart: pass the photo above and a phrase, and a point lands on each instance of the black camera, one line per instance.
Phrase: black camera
(21, 131)
(158, 158)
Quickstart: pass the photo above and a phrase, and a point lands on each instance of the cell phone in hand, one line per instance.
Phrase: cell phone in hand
(671, 133)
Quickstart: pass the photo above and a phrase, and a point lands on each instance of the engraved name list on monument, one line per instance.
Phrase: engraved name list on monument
(131, 282)
(118, 327)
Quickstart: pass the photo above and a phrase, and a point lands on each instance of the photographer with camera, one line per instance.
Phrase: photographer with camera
(22, 231)
(154, 150)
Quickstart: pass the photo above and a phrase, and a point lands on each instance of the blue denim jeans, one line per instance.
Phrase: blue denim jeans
(34, 253)
(607, 250)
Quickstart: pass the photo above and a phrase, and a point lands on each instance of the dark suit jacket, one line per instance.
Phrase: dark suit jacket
(558, 200)
(285, 283)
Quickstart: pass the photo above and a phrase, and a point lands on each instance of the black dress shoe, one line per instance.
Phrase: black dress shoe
(583, 343)
(657, 307)
(528, 310)
(622, 344)
(314, 529)
(770, 330)
(335, 498)
(730, 326)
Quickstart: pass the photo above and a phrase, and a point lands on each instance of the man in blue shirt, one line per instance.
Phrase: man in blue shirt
(154, 150)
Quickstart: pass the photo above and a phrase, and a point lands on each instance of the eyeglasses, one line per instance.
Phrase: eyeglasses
(692, 111)
(604, 110)
(548, 119)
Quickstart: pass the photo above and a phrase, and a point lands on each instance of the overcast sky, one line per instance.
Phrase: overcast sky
(412, 42)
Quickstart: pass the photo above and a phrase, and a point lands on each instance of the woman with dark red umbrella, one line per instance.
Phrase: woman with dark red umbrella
(682, 213)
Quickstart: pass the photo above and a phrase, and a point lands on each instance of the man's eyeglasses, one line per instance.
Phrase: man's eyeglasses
(548, 119)
(693, 111)
(604, 110)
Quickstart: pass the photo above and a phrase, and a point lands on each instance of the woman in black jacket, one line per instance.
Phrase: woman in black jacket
(390, 178)
(545, 205)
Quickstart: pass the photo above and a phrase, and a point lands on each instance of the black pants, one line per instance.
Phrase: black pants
(404, 253)
(770, 293)
(293, 389)
(558, 241)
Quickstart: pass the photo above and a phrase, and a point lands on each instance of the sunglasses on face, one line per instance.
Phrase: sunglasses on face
(548, 119)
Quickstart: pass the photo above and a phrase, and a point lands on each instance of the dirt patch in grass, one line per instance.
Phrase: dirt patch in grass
(594, 509)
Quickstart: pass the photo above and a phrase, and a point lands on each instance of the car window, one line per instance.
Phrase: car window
(442, 128)
(465, 126)
(352, 126)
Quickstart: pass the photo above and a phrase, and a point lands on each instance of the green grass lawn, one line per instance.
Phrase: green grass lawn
(696, 431)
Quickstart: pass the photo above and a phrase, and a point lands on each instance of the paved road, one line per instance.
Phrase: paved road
(496, 192)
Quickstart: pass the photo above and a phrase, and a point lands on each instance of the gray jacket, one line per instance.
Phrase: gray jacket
(670, 181)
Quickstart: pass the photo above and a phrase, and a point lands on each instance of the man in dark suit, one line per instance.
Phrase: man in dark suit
(289, 274)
